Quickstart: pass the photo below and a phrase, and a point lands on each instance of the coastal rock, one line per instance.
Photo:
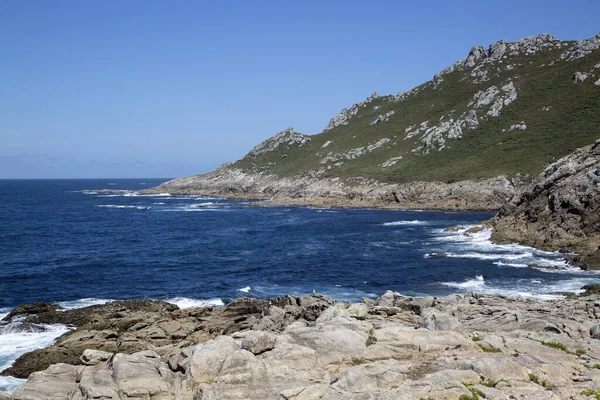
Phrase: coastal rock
(503, 347)
(232, 182)
(93, 357)
(559, 210)
(138, 325)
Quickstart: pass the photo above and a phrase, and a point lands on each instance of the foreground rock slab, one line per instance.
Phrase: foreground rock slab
(397, 347)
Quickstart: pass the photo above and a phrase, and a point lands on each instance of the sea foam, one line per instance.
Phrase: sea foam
(405, 223)
(184, 302)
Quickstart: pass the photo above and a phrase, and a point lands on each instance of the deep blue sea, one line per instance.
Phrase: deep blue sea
(62, 242)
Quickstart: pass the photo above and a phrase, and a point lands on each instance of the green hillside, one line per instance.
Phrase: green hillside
(560, 115)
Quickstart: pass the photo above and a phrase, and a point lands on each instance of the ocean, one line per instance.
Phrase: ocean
(63, 242)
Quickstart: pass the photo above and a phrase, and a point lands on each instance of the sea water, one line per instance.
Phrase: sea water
(62, 241)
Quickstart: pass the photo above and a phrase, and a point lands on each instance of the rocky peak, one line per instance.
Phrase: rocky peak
(286, 137)
(344, 116)
(496, 51)
(581, 48)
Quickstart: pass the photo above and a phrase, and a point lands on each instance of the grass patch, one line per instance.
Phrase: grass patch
(475, 393)
(555, 345)
(488, 348)
(595, 366)
(594, 393)
(544, 383)
(371, 340)
(491, 382)
(475, 338)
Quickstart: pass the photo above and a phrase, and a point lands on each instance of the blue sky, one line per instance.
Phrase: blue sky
(171, 88)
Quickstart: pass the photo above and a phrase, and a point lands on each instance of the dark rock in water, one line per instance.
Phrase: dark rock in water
(31, 309)
(21, 327)
(549, 267)
(454, 228)
(591, 290)
(137, 325)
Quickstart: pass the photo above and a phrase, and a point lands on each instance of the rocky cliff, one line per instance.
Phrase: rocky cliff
(460, 140)
(397, 347)
(559, 210)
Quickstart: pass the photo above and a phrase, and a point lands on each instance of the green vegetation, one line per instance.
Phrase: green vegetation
(488, 348)
(491, 382)
(594, 393)
(371, 340)
(544, 383)
(595, 366)
(555, 345)
(475, 338)
(541, 81)
(475, 393)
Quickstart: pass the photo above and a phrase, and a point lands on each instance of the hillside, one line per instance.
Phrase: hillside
(507, 110)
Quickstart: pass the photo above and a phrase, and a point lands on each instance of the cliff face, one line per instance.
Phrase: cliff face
(560, 210)
(456, 141)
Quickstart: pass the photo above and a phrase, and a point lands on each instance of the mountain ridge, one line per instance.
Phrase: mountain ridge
(501, 114)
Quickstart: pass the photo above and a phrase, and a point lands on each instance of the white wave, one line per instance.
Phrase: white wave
(184, 302)
(123, 207)
(136, 194)
(477, 283)
(477, 245)
(402, 223)
(14, 344)
(72, 304)
(112, 184)
(208, 198)
(159, 204)
(205, 204)
(10, 384)
(245, 289)
(514, 265)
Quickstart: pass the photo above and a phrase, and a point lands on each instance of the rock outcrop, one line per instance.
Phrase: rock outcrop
(139, 325)
(559, 210)
(229, 181)
(397, 347)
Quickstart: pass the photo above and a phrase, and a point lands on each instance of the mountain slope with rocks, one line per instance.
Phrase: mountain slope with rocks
(508, 111)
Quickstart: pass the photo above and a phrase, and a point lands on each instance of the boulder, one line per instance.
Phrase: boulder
(93, 357)
(258, 342)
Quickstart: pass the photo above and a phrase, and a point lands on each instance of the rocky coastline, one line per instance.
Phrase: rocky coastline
(231, 182)
(461, 346)
(559, 210)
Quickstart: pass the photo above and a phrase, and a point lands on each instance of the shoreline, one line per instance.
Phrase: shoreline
(458, 342)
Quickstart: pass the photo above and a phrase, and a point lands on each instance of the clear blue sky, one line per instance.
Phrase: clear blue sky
(170, 88)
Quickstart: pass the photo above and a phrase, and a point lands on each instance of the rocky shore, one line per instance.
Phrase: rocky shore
(231, 182)
(468, 346)
(559, 210)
